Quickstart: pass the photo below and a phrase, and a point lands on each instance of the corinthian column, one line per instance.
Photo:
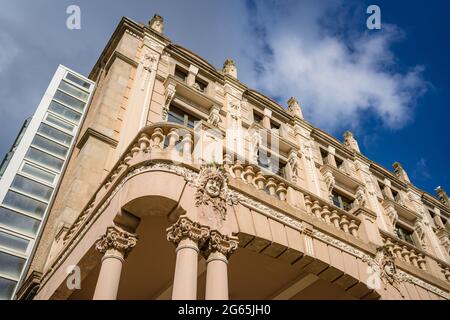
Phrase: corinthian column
(115, 245)
(188, 236)
(219, 248)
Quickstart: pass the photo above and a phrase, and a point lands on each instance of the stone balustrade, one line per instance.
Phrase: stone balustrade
(278, 188)
(405, 251)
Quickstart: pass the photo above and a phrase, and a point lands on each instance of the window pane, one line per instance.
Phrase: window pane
(6, 288)
(24, 203)
(19, 222)
(61, 124)
(44, 158)
(73, 91)
(175, 117)
(68, 100)
(11, 265)
(38, 173)
(31, 187)
(55, 134)
(12, 242)
(64, 112)
(49, 146)
(78, 81)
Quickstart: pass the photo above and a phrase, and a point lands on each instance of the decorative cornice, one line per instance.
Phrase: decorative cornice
(98, 135)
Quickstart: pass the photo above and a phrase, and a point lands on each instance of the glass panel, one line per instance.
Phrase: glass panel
(175, 116)
(6, 288)
(73, 91)
(78, 81)
(11, 265)
(38, 173)
(62, 124)
(19, 222)
(44, 158)
(31, 187)
(69, 100)
(55, 134)
(49, 146)
(64, 112)
(12, 242)
(24, 203)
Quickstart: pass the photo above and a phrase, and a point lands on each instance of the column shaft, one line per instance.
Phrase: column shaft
(216, 277)
(185, 279)
(109, 277)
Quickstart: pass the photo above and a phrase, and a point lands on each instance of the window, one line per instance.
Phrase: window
(201, 84)
(38, 173)
(396, 196)
(77, 93)
(275, 127)
(64, 112)
(342, 202)
(31, 187)
(404, 234)
(383, 191)
(180, 74)
(12, 242)
(324, 155)
(19, 222)
(53, 120)
(11, 265)
(69, 100)
(20, 202)
(55, 134)
(257, 118)
(49, 146)
(45, 159)
(340, 164)
(78, 81)
(6, 288)
(266, 162)
(176, 115)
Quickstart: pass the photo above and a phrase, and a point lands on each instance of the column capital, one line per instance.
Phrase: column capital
(219, 243)
(184, 228)
(116, 239)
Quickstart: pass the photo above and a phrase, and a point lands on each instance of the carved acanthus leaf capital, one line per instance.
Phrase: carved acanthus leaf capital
(220, 243)
(116, 239)
(184, 228)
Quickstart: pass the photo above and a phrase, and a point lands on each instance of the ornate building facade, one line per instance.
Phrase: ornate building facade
(187, 184)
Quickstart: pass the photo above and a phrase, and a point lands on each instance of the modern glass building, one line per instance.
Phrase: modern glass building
(32, 170)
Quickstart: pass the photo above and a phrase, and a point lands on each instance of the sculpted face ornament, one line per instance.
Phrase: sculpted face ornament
(212, 191)
(213, 187)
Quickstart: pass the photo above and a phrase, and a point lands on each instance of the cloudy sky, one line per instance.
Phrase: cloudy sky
(390, 86)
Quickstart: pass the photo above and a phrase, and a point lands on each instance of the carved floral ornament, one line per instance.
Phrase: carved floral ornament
(116, 239)
(221, 243)
(212, 189)
(383, 266)
(184, 228)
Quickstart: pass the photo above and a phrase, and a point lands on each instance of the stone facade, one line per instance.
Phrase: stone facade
(173, 149)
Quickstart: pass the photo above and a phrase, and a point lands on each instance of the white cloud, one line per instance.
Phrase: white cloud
(337, 79)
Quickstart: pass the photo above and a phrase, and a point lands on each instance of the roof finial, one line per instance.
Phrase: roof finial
(350, 141)
(229, 68)
(157, 23)
(294, 108)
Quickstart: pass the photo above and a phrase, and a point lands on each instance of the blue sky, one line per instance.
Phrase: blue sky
(390, 87)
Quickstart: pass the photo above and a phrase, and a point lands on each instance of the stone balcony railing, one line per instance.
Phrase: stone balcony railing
(405, 251)
(280, 188)
(170, 142)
